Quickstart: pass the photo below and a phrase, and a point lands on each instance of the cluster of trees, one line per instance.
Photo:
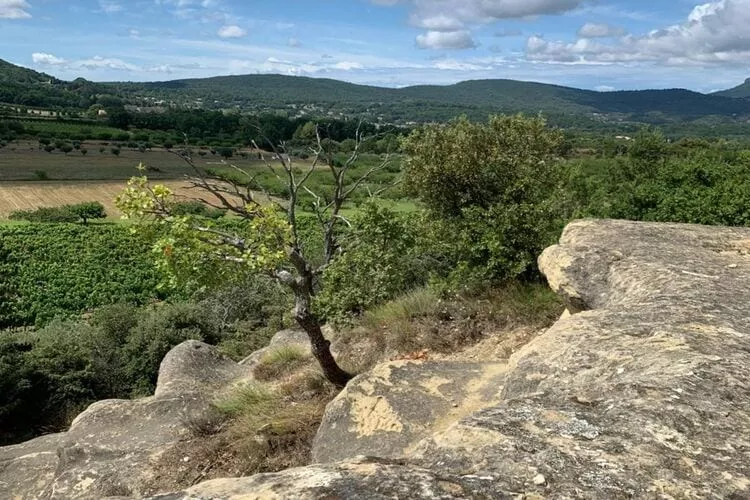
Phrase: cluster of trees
(79, 212)
(213, 129)
(50, 375)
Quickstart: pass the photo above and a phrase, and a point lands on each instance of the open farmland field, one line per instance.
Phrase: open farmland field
(25, 161)
(31, 195)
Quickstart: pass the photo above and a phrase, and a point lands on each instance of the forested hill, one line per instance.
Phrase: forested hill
(476, 98)
(741, 91)
(499, 95)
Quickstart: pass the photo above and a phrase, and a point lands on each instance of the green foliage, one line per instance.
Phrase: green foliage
(45, 214)
(67, 213)
(154, 335)
(87, 211)
(194, 207)
(493, 193)
(467, 164)
(379, 261)
(48, 376)
(664, 183)
(65, 269)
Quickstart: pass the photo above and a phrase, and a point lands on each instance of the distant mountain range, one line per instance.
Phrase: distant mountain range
(417, 103)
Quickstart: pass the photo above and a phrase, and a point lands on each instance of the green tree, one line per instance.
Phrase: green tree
(196, 250)
(466, 164)
(493, 193)
(88, 211)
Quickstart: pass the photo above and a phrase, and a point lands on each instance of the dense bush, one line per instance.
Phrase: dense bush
(194, 207)
(665, 183)
(380, 262)
(493, 194)
(82, 212)
(45, 214)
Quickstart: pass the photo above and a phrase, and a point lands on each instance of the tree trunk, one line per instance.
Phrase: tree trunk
(321, 348)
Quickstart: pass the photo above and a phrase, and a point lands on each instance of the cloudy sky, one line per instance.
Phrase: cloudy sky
(597, 44)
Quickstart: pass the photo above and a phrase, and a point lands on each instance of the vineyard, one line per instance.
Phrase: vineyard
(53, 270)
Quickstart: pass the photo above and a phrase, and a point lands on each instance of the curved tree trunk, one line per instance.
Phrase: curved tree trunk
(321, 347)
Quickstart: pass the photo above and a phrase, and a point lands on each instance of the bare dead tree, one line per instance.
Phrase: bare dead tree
(244, 195)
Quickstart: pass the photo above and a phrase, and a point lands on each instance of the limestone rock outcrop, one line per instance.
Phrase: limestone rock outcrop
(396, 405)
(642, 392)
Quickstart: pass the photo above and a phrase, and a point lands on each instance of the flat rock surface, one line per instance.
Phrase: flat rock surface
(27, 468)
(396, 405)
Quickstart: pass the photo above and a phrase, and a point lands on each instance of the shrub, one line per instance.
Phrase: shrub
(194, 207)
(156, 333)
(45, 214)
(380, 263)
(66, 213)
(493, 191)
(88, 210)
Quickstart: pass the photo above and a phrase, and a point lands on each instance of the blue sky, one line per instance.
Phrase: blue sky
(598, 44)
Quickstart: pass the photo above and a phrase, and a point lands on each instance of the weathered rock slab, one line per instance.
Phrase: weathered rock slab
(359, 479)
(397, 404)
(109, 447)
(643, 392)
(27, 468)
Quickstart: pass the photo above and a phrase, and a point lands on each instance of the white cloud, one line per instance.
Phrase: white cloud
(347, 65)
(99, 62)
(604, 88)
(439, 22)
(14, 9)
(47, 59)
(446, 40)
(447, 21)
(712, 33)
(294, 42)
(483, 11)
(110, 6)
(594, 30)
(231, 31)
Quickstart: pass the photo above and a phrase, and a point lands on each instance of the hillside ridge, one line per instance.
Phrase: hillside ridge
(476, 98)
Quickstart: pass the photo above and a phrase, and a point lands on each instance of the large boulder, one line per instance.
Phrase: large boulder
(108, 450)
(27, 468)
(642, 392)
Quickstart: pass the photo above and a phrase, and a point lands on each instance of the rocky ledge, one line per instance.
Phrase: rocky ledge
(641, 390)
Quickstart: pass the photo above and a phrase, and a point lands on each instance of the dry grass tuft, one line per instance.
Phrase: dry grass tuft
(422, 321)
(281, 361)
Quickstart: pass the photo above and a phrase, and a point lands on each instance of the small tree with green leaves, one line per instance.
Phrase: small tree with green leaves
(196, 251)
(88, 211)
